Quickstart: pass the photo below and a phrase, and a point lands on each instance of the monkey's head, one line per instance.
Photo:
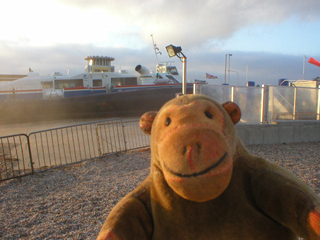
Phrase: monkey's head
(193, 142)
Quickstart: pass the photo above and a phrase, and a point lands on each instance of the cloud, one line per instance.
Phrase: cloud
(122, 29)
(264, 68)
(18, 59)
(193, 22)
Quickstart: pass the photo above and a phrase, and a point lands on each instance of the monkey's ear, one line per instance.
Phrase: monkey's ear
(146, 121)
(233, 110)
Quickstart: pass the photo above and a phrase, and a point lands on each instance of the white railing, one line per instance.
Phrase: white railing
(267, 104)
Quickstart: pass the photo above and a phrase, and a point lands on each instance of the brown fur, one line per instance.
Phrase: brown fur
(204, 184)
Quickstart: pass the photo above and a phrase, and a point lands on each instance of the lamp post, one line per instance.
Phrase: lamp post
(229, 55)
(177, 51)
(225, 69)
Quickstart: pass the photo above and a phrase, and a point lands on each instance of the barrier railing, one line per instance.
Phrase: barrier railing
(134, 137)
(22, 154)
(267, 103)
(15, 156)
(110, 137)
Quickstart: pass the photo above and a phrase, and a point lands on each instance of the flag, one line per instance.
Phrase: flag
(209, 76)
(314, 62)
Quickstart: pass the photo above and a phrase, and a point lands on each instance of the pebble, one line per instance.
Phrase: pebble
(74, 201)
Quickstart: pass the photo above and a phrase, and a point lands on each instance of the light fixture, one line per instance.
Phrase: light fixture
(177, 51)
(173, 50)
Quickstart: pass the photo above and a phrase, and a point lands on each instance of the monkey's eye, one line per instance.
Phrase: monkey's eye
(168, 121)
(208, 114)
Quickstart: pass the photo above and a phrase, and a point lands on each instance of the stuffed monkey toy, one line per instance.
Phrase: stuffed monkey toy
(204, 184)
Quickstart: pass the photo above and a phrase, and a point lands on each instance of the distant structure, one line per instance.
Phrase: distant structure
(251, 84)
(98, 64)
(10, 77)
(300, 83)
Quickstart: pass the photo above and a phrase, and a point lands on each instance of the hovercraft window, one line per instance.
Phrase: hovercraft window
(68, 83)
(123, 81)
(97, 83)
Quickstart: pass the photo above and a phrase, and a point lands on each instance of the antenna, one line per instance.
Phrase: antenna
(156, 49)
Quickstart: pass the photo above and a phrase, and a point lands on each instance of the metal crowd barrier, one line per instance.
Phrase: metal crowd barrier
(267, 103)
(22, 154)
(15, 156)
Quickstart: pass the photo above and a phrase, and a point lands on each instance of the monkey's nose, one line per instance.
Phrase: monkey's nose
(191, 153)
(196, 146)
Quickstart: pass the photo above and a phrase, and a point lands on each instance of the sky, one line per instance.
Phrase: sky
(267, 39)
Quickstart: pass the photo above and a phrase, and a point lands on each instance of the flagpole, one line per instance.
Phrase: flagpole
(304, 66)
(247, 73)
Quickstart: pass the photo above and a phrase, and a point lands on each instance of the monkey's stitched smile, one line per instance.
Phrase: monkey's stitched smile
(198, 173)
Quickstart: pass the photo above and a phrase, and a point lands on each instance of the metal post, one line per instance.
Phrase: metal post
(225, 69)
(195, 88)
(304, 66)
(30, 154)
(318, 103)
(232, 94)
(184, 74)
(294, 104)
(264, 104)
(229, 68)
(123, 135)
(247, 73)
(271, 99)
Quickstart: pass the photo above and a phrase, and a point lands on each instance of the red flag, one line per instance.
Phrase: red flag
(209, 76)
(314, 62)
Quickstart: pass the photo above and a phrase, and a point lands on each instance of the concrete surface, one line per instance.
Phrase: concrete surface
(279, 132)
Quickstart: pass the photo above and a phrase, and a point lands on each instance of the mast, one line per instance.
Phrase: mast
(156, 49)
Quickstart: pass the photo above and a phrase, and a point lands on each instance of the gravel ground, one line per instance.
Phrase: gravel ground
(73, 202)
